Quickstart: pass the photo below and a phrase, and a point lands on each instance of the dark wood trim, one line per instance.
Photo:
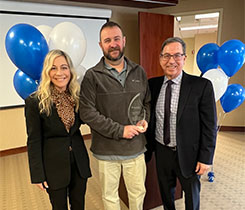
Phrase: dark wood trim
(13, 151)
(232, 128)
(87, 137)
(132, 3)
(24, 149)
(11, 107)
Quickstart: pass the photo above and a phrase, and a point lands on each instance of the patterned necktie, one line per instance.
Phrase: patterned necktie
(166, 133)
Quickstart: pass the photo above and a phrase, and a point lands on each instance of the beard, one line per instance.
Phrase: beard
(109, 57)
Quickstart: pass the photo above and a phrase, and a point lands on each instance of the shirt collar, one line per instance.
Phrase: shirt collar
(176, 80)
(107, 66)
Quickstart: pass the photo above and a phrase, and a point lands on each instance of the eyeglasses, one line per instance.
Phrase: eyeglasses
(167, 56)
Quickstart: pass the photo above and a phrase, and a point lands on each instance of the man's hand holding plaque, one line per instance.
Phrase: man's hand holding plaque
(136, 115)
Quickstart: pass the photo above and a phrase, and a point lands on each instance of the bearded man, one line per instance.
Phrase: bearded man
(108, 91)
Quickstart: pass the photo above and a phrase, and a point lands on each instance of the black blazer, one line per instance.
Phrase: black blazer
(48, 147)
(196, 121)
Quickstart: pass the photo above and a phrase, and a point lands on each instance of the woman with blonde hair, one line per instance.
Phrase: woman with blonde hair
(58, 159)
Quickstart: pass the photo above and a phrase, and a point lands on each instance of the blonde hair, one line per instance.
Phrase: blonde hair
(45, 87)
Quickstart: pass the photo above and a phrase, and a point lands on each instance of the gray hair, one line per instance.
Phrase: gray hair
(172, 40)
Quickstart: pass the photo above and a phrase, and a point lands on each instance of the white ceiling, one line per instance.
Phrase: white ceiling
(187, 21)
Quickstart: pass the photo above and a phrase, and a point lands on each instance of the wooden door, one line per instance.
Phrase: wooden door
(154, 29)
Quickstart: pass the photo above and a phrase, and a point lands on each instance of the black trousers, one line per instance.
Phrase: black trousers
(75, 191)
(168, 170)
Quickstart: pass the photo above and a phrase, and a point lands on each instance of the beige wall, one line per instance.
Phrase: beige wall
(12, 127)
(190, 49)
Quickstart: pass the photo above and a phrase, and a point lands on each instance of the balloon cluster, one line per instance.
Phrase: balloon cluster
(27, 46)
(218, 64)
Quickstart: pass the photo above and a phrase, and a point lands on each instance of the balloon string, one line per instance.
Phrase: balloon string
(221, 117)
(220, 120)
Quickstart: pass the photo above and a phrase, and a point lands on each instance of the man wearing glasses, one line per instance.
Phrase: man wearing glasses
(182, 129)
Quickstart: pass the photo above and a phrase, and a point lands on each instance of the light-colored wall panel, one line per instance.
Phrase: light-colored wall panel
(12, 128)
(190, 49)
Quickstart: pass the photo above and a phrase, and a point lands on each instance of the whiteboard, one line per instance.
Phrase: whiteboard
(13, 14)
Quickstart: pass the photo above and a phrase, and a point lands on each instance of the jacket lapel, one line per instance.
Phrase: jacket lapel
(184, 93)
(76, 124)
(157, 84)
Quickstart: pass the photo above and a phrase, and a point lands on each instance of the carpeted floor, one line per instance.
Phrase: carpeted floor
(16, 192)
(227, 192)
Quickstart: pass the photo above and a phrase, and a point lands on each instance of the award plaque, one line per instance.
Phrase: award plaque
(136, 111)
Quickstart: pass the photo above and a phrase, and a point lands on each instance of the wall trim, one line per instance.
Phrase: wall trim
(24, 149)
(13, 151)
(88, 136)
(232, 128)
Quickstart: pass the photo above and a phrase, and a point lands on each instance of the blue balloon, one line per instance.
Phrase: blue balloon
(231, 56)
(27, 48)
(23, 84)
(233, 97)
(207, 57)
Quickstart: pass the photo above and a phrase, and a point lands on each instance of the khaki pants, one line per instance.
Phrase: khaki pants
(134, 173)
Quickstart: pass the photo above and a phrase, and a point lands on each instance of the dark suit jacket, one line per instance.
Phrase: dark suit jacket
(48, 147)
(196, 121)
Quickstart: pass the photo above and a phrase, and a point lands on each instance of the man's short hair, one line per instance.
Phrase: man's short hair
(172, 40)
(110, 24)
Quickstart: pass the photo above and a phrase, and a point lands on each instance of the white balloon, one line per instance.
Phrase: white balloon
(219, 80)
(80, 70)
(45, 30)
(69, 37)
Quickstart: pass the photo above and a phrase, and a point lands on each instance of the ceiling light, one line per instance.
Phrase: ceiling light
(178, 18)
(198, 27)
(208, 15)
